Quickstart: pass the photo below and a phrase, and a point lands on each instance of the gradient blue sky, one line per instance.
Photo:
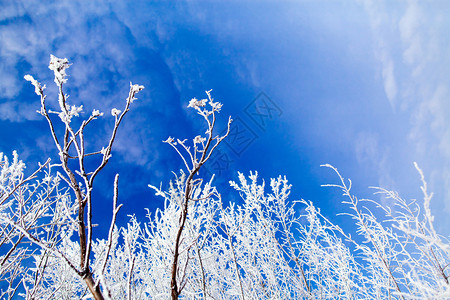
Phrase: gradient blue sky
(362, 85)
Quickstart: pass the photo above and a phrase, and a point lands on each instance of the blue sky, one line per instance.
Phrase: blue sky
(362, 85)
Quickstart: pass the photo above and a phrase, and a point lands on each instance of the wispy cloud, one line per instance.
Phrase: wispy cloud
(15, 111)
(425, 52)
(67, 29)
(417, 83)
(410, 32)
(390, 84)
(381, 25)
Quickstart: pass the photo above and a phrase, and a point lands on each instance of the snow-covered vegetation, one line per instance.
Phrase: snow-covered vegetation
(199, 246)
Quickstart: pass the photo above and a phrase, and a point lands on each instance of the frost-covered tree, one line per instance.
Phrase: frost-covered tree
(194, 158)
(32, 206)
(403, 257)
(198, 246)
(77, 218)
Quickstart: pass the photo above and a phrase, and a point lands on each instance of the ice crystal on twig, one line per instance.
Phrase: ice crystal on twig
(115, 112)
(38, 89)
(59, 66)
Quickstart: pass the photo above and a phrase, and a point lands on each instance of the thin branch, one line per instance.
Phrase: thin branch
(111, 227)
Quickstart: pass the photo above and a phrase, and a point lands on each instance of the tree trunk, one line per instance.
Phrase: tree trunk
(95, 290)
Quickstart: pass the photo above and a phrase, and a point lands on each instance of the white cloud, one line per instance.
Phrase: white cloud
(69, 29)
(382, 27)
(412, 36)
(410, 22)
(390, 85)
(9, 85)
(11, 9)
(15, 111)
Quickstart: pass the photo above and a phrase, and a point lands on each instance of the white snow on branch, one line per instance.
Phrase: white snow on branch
(115, 112)
(37, 86)
(194, 103)
(59, 66)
